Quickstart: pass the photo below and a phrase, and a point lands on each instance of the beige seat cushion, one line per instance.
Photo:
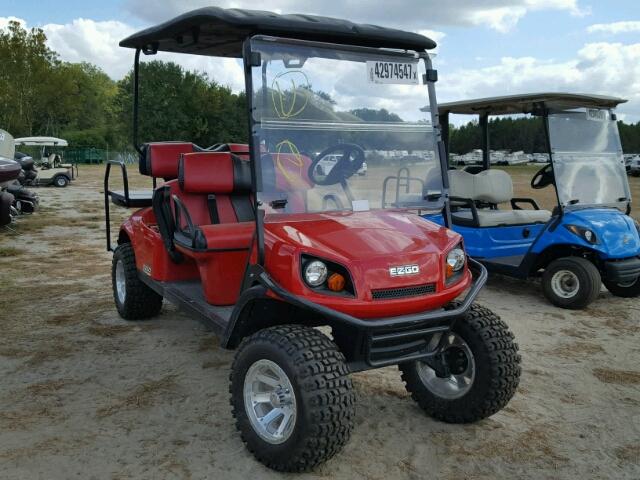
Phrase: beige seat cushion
(495, 218)
(492, 186)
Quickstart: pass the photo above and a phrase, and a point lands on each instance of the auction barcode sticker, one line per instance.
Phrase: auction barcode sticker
(405, 73)
(597, 115)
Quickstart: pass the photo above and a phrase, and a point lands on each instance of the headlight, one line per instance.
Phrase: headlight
(315, 273)
(587, 235)
(455, 260)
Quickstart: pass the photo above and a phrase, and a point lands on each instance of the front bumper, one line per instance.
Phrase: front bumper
(389, 340)
(622, 271)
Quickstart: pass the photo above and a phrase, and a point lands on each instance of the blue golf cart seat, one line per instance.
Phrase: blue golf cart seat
(476, 197)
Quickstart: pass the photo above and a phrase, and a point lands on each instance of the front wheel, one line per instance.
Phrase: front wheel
(571, 282)
(60, 181)
(134, 300)
(475, 373)
(625, 290)
(291, 397)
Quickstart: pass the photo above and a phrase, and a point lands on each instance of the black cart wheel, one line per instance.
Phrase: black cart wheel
(625, 290)
(134, 300)
(60, 181)
(292, 397)
(475, 374)
(571, 282)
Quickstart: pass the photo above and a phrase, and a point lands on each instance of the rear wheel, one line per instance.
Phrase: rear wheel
(475, 374)
(626, 290)
(60, 181)
(571, 282)
(291, 397)
(134, 300)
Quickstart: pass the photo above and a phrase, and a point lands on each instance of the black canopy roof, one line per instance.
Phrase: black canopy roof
(220, 32)
(525, 103)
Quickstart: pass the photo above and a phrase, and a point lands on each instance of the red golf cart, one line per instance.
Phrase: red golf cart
(268, 241)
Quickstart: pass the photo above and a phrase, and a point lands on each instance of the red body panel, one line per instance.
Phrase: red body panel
(366, 243)
(151, 256)
(221, 273)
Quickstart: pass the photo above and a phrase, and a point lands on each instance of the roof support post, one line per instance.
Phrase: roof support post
(136, 84)
(484, 128)
(444, 130)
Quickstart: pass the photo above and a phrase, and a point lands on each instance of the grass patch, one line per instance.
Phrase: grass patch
(617, 377)
(142, 396)
(7, 252)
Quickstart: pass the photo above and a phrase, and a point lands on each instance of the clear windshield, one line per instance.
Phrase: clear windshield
(587, 157)
(342, 130)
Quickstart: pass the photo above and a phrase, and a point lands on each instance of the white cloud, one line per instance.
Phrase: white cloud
(501, 15)
(615, 27)
(600, 68)
(4, 21)
(85, 40)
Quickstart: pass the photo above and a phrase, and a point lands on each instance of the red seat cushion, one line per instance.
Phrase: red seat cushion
(210, 172)
(160, 159)
(229, 236)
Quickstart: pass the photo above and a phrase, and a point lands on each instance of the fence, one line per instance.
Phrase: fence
(86, 155)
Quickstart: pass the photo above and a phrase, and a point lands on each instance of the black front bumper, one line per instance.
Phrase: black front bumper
(622, 271)
(392, 340)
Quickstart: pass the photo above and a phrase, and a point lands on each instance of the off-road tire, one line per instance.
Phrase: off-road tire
(618, 290)
(60, 181)
(325, 399)
(140, 302)
(497, 371)
(587, 274)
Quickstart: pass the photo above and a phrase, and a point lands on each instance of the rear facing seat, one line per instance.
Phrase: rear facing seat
(493, 187)
(160, 159)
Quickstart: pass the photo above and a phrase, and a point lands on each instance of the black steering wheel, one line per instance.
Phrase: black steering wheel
(351, 158)
(543, 178)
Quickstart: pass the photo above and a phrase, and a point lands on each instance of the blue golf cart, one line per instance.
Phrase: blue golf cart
(589, 237)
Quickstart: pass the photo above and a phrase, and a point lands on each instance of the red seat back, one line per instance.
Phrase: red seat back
(222, 175)
(160, 159)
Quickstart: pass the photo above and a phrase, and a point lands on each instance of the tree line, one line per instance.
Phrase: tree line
(42, 95)
(526, 134)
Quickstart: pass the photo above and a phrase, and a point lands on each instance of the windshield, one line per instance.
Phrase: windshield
(342, 130)
(587, 158)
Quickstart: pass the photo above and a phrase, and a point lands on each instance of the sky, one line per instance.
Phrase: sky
(485, 47)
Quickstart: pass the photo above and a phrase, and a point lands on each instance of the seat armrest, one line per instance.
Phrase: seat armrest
(468, 203)
(530, 201)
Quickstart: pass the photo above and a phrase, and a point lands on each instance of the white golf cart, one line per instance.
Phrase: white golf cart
(51, 169)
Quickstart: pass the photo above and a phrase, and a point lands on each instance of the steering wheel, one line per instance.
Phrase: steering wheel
(543, 178)
(351, 159)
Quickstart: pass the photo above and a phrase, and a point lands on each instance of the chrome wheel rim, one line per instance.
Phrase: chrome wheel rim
(459, 382)
(269, 401)
(120, 282)
(565, 284)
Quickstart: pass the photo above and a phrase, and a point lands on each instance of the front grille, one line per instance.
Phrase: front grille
(403, 292)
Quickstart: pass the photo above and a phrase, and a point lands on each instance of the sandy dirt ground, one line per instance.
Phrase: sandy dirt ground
(87, 395)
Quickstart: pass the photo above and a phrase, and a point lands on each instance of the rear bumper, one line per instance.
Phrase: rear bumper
(622, 271)
(389, 340)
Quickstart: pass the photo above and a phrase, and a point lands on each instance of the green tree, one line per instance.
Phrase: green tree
(26, 66)
(180, 105)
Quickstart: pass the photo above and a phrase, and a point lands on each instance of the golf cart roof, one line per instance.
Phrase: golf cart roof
(220, 32)
(41, 142)
(513, 104)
